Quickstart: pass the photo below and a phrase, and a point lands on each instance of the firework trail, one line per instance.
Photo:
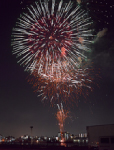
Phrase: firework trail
(51, 35)
(61, 117)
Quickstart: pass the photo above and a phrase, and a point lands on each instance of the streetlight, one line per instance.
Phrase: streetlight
(31, 127)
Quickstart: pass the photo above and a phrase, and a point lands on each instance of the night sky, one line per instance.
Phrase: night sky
(19, 105)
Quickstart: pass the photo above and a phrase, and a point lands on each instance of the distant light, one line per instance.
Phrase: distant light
(37, 141)
(57, 138)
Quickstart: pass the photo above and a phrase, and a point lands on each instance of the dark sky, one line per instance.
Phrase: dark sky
(19, 105)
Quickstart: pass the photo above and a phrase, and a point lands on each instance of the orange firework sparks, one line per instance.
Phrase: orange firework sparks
(61, 117)
(75, 84)
(60, 86)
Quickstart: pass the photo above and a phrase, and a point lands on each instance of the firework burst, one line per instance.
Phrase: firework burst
(49, 35)
(74, 83)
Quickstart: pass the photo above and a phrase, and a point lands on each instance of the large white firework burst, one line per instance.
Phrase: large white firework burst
(51, 38)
